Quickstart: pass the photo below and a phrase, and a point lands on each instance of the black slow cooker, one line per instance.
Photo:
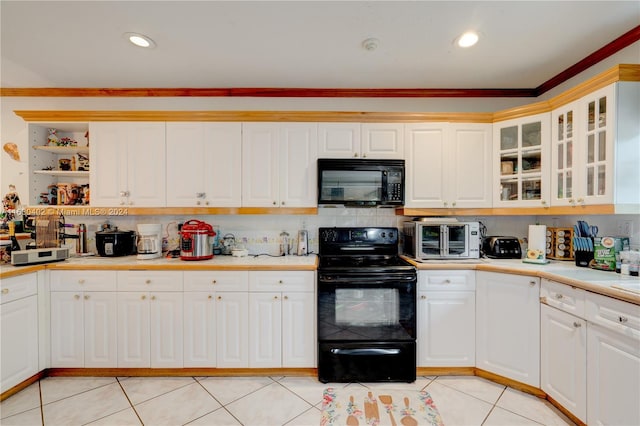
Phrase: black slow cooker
(112, 242)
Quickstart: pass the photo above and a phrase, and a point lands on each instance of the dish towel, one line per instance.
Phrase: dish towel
(359, 406)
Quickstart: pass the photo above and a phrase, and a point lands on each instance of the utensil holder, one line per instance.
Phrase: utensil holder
(583, 258)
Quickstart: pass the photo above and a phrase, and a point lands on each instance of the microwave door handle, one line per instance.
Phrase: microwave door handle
(444, 246)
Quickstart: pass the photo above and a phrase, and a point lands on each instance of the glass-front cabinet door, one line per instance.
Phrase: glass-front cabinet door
(563, 142)
(582, 153)
(522, 161)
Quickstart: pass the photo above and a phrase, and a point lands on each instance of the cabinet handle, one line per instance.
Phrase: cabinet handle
(559, 296)
(5, 291)
(143, 297)
(80, 281)
(623, 319)
(577, 324)
(147, 281)
(76, 296)
(86, 297)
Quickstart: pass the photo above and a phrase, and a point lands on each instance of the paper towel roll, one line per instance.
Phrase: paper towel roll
(537, 248)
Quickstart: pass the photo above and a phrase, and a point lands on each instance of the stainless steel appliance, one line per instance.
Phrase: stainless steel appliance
(303, 242)
(437, 238)
(501, 247)
(113, 242)
(366, 307)
(39, 255)
(361, 183)
(196, 240)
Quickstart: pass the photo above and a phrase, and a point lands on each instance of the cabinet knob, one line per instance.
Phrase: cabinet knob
(147, 281)
(280, 282)
(206, 203)
(209, 297)
(197, 203)
(544, 203)
(275, 297)
(123, 193)
(577, 324)
(364, 155)
(572, 201)
(453, 204)
(559, 296)
(80, 281)
(219, 297)
(446, 204)
(153, 298)
(76, 296)
(581, 200)
(143, 297)
(282, 203)
(447, 281)
(5, 291)
(355, 154)
(623, 319)
(532, 283)
(286, 298)
(86, 297)
(423, 297)
(199, 194)
(275, 203)
(214, 282)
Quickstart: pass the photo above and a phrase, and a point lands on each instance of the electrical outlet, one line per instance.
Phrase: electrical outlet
(625, 228)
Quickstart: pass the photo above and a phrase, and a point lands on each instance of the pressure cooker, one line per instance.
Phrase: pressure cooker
(196, 240)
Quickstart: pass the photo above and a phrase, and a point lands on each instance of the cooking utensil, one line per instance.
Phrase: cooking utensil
(387, 400)
(351, 420)
(371, 409)
(407, 420)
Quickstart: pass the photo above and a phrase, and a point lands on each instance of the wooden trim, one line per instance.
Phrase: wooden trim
(445, 371)
(566, 412)
(268, 92)
(511, 211)
(523, 387)
(180, 372)
(23, 385)
(235, 116)
(604, 52)
(522, 111)
(164, 211)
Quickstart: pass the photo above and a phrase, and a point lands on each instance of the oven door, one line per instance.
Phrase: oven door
(367, 307)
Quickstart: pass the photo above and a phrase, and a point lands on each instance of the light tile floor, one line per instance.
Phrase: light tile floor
(260, 401)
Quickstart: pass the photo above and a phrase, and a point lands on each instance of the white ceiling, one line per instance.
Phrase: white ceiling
(302, 44)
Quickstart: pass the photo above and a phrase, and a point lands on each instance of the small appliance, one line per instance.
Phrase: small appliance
(149, 241)
(497, 247)
(303, 242)
(361, 183)
(113, 242)
(440, 238)
(196, 240)
(39, 255)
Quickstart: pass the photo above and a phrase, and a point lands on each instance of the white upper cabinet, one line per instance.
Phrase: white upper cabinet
(129, 167)
(356, 140)
(279, 164)
(521, 162)
(204, 163)
(448, 165)
(595, 149)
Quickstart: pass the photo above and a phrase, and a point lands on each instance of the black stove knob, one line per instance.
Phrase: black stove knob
(383, 234)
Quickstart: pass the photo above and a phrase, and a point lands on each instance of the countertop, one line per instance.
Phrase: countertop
(564, 272)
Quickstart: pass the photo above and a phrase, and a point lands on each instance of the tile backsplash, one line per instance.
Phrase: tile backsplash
(260, 234)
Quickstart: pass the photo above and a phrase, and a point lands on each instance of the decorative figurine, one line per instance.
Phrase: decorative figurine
(52, 139)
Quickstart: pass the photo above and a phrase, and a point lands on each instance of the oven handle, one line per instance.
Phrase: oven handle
(368, 280)
(369, 351)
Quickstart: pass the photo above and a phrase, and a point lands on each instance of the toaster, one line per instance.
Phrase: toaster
(501, 247)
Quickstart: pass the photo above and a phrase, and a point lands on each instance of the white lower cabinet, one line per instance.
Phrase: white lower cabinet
(508, 326)
(446, 319)
(19, 324)
(83, 319)
(282, 319)
(150, 319)
(613, 361)
(563, 359)
(207, 294)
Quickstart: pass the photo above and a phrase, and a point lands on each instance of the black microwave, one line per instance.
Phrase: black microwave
(360, 182)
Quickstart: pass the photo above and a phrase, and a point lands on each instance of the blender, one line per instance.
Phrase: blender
(149, 244)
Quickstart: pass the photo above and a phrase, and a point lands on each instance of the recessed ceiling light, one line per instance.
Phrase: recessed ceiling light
(140, 40)
(468, 39)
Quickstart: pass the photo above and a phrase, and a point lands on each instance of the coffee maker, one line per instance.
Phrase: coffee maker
(149, 244)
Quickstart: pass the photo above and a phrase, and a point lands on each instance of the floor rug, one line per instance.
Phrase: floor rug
(359, 406)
